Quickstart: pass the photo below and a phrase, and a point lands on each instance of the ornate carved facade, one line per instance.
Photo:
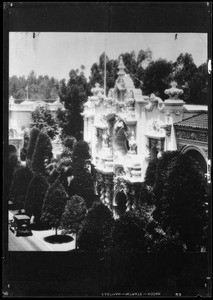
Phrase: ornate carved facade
(126, 129)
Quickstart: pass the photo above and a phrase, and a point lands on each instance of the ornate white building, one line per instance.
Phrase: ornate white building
(126, 129)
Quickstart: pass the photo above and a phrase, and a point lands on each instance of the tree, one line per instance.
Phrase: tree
(41, 87)
(157, 77)
(130, 63)
(31, 146)
(21, 178)
(184, 70)
(151, 173)
(42, 152)
(73, 96)
(95, 231)
(69, 142)
(181, 211)
(163, 164)
(128, 233)
(81, 151)
(54, 204)
(74, 214)
(198, 86)
(82, 183)
(13, 163)
(35, 196)
(23, 152)
(44, 119)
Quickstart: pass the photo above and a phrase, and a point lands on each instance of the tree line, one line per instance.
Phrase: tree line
(151, 76)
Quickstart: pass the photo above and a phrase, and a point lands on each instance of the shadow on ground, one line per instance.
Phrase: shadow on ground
(58, 239)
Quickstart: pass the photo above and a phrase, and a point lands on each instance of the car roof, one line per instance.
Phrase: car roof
(22, 217)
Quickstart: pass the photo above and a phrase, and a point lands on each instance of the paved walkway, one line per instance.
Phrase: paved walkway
(40, 235)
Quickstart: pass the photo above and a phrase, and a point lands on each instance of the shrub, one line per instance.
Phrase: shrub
(21, 178)
(128, 233)
(54, 204)
(43, 119)
(69, 142)
(43, 151)
(35, 196)
(181, 211)
(23, 152)
(151, 173)
(96, 228)
(81, 151)
(32, 142)
(82, 184)
(74, 214)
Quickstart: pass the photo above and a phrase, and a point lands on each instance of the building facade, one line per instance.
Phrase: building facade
(20, 120)
(126, 129)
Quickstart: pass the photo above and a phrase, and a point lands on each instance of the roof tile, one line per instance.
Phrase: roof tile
(198, 121)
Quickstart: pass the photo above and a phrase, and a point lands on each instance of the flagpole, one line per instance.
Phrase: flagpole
(105, 70)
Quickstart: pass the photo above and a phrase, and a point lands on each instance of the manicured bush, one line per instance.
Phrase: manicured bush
(128, 233)
(42, 152)
(81, 151)
(74, 214)
(44, 119)
(96, 228)
(69, 142)
(35, 196)
(23, 152)
(151, 173)
(32, 142)
(82, 184)
(54, 204)
(21, 178)
(180, 209)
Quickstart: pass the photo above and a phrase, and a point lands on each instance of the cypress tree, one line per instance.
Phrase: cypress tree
(35, 196)
(54, 204)
(21, 178)
(74, 214)
(96, 228)
(43, 151)
(31, 146)
(81, 151)
(82, 183)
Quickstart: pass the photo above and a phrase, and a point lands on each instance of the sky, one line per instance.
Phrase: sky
(55, 54)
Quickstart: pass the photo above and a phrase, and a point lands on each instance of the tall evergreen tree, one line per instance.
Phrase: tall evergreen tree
(21, 178)
(82, 183)
(181, 210)
(128, 233)
(73, 96)
(96, 228)
(43, 119)
(157, 77)
(31, 146)
(35, 196)
(74, 214)
(81, 152)
(54, 204)
(43, 151)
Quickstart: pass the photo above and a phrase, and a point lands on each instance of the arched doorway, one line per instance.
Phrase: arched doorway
(120, 143)
(198, 157)
(120, 201)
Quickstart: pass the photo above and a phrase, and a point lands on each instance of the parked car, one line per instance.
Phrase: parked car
(21, 225)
